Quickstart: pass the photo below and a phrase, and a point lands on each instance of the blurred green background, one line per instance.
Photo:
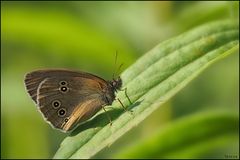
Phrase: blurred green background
(85, 36)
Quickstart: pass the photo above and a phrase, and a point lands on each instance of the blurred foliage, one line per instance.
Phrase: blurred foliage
(197, 135)
(85, 36)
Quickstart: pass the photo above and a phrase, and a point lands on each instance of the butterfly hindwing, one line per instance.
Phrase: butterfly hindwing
(66, 98)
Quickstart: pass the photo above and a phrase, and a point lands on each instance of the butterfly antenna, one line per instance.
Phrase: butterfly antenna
(115, 64)
(119, 69)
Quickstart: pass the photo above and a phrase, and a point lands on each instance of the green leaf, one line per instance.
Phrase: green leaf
(189, 137)
(151, 81)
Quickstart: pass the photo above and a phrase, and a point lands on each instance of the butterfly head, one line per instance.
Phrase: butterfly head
(116, 83)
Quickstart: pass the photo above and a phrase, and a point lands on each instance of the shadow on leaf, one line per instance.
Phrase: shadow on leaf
(101, 120)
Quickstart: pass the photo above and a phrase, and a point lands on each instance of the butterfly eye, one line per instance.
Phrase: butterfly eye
(62, 83)
(63, 89)
(62, 112)
(56, 104)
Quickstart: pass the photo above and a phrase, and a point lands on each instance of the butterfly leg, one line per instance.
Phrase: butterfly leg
(125, 91)
(126, 110)
(109, 118)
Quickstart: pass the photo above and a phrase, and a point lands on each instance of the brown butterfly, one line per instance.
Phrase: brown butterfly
(67, 98)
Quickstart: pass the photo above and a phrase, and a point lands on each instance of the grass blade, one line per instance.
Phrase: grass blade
(151, 81)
